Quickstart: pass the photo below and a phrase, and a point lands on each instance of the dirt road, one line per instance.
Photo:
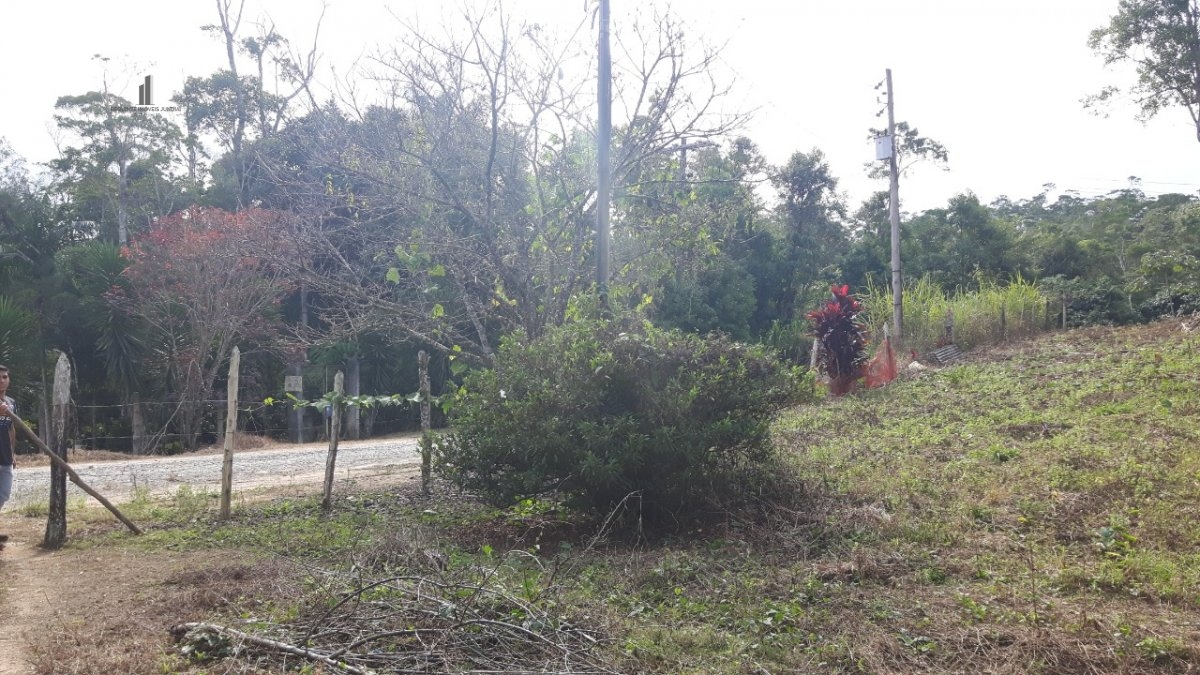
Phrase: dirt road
(120, 481)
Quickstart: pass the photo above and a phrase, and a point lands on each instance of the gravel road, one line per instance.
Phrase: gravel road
(119, 480)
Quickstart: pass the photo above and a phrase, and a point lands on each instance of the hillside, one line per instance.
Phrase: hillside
(1033, 509)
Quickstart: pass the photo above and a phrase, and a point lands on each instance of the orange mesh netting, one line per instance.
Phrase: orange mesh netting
(881, 369)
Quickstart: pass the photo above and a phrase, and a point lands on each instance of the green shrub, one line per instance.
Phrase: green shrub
(595, 410)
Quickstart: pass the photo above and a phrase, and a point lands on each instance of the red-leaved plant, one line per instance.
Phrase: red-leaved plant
(841, 337)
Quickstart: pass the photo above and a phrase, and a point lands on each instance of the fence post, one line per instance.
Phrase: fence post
(335, 429)
(231, 411)
(949, 326)
(426, 437)
(353, 388)
(1003, 324)
(56, 519)
(137, 422)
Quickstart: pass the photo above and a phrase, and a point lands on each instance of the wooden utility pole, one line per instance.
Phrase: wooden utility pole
(231, 411)
(603, 169)
(56, 519)
(894, 217)
(335, 430)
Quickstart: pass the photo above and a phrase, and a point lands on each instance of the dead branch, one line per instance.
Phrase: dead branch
(24, 428)
(460, 621)
(183, 629)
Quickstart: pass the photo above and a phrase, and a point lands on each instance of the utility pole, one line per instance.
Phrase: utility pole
(894, 217)
(604, 171)
(684, 146)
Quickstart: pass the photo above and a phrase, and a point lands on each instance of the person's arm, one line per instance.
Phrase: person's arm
(12, 430)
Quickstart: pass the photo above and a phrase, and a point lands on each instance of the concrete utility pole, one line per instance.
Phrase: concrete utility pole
(604, 171)
(894, 217)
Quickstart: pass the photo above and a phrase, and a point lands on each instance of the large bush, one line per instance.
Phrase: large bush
(595, 410)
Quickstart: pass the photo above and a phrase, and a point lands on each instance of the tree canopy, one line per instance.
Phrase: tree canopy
(1161, 39)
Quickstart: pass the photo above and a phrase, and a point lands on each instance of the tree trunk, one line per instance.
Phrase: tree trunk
(56, 520)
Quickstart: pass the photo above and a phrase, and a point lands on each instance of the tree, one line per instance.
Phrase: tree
(462, 208)
(120, 171)
(204, 280)
(812, 215)
(960, 243)
(235, 108)
(1161, 38)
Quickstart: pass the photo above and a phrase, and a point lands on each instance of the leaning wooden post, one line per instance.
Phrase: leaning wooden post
(56, 519)
(57, 461)
(335, 429)
(426, 436)
(231, 394)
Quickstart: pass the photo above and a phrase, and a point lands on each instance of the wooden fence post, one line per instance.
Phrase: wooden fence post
(231, 394)
(426, 436)
(137, 420)
(56, 519)
(1003, 324)
(335, 430)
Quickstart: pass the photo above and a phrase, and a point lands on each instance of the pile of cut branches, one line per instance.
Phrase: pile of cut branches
(440, 622)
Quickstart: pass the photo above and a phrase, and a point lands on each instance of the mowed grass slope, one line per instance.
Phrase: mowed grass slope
(1036, 509)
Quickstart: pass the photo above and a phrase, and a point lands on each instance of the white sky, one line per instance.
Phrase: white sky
(997, 81)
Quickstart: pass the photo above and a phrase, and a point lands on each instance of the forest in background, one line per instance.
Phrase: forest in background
(458, 208)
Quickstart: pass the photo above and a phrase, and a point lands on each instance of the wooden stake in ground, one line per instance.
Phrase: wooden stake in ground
(231, 395)
(335, 430)
(426, 438)
(54, 459)
(56, 518)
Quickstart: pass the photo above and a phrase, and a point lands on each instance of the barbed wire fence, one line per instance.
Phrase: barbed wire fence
(108, 426)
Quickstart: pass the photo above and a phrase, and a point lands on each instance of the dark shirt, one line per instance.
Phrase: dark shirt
(6, 450)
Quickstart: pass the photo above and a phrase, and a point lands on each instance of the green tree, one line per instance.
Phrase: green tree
(1161, 39)
(959, 244)
(813, 236)
(118, 169)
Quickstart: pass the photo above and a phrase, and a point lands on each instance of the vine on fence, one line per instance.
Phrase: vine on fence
(362, 400)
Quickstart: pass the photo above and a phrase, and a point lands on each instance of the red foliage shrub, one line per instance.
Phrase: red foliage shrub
(841, 337)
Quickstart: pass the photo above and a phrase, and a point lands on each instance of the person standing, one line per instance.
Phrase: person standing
(8, 442)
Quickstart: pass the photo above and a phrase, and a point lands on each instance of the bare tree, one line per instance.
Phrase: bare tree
(460, 206)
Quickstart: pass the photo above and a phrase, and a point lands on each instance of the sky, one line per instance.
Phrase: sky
(998, 82)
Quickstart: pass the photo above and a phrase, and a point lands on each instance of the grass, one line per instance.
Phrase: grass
(1033, 510)
(990, 315)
